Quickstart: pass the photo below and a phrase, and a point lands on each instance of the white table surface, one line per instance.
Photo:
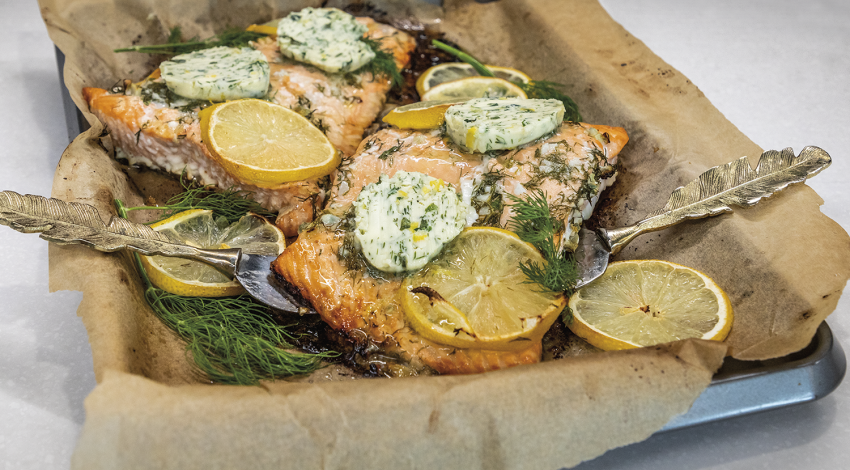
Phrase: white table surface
(779, 70)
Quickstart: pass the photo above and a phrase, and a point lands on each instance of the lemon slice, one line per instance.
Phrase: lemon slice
(421, 115)
(474, 87)
(450, 71)
(473, 295)
(263, 29)
(265, 144)
(646, 302)
(200, 229)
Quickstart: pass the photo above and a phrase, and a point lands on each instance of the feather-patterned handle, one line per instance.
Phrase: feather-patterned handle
(732, 184)
(69, 223)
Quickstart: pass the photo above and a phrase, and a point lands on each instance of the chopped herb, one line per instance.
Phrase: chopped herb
(553, 166)
(390, 151)
(383, 63)
(486, 197)
(152, 90)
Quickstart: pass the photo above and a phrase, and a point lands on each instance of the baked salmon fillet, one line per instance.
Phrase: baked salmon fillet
(152, 127)
(571, 166)
(342, 105)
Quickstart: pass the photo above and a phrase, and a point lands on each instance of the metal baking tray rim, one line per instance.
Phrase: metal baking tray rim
(745, 387)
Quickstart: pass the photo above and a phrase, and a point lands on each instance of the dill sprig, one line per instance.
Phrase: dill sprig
(550, 90)
(230, 204)
(533, 223)
(383, 63)
(232, 340)
(231, 37)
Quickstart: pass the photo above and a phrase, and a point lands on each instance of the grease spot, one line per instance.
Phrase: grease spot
(123, 278)
(433, 421)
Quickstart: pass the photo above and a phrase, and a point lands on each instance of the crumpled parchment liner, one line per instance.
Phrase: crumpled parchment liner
(148, 410)
(548, 415)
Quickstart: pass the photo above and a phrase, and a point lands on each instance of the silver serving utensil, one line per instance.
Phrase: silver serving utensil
(712, 193)
(73, 223)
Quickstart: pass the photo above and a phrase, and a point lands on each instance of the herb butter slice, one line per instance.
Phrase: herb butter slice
(218, 74)
(327, 38)
(484, 124)
(404, 221)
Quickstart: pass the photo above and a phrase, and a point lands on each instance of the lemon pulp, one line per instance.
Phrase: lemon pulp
(451, 71)
(646, 302)
(473, 295)
(474, 87)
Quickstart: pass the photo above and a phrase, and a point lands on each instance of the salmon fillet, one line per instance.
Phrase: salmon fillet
(152, 128)
(571, 166)
(342, 105)
(169, 140)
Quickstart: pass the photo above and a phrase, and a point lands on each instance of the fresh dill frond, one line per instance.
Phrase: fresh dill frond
(231, 204)
(231, 37)
(390, 152)
(550, 90)
(175, 36)
(383, 63)
(533, 223)
(232, 340)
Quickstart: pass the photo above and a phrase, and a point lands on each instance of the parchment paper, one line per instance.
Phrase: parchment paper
(149, 410)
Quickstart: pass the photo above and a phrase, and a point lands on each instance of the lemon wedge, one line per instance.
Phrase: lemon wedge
(473, 295)
(474, 87)
(265, 144)
(451, 71)
(263, 29)
(646, 302)
(421, 115)
(200, 229)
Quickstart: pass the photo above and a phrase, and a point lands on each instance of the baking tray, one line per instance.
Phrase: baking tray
(745, 387)
(739, 388)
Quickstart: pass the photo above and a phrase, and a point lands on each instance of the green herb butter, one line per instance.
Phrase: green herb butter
(486, 124)
(404, 221)
(327, 38)
(218, 74)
